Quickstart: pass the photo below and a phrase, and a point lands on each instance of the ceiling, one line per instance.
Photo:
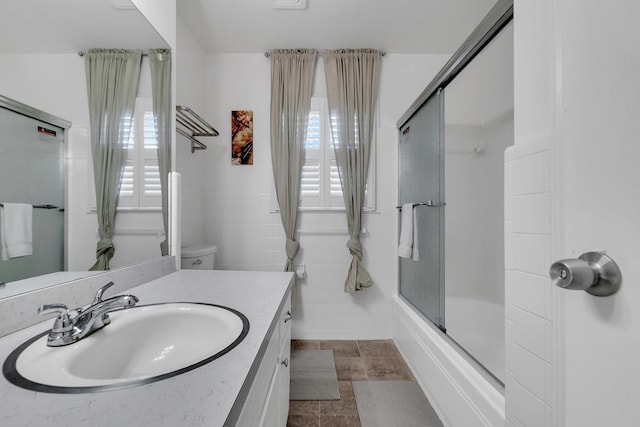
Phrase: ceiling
(245, 26)
(394, 26)
(68, 26)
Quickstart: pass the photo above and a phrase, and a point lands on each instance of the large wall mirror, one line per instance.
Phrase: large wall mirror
(41, 68)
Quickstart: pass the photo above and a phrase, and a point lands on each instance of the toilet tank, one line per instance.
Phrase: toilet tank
(198, 257)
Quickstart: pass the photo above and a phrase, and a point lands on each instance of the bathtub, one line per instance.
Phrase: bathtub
(478, 327)
(459, 392)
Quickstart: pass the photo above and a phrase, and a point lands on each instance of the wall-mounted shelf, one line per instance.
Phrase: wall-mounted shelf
(194, 125)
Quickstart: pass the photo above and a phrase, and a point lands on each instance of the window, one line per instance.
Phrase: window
(140, 186)
(320, 182)
(141, 177)
(320, 187)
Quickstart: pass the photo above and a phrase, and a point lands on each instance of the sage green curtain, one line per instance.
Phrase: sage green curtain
(160, 64)
(112, 85)
(352, 88)
(291, 85)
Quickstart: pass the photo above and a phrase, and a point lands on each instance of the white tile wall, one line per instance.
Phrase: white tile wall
(530, 370)
(531, 214)
(528, 300)
(529, 410)
(529, 332)
(529, 387)
(533, 293)
(531, 253)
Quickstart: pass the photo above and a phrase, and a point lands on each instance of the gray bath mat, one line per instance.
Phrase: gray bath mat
(313, 375)
(393, 403)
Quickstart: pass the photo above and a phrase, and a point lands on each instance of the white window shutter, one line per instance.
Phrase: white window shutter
(141, 177)
(151, 193)
(335, 186)
(128, 194)
(311, 178)
(320, 182)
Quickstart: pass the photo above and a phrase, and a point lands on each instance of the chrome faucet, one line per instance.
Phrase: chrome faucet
(73, 325)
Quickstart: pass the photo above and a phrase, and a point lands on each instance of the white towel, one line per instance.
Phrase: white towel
(408, 247)
(16, 221)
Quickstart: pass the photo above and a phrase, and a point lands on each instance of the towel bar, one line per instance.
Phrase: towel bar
(194, 124)
(428, 203)
(37, 206)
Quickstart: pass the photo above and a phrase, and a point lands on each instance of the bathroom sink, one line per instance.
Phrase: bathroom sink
(141, 345)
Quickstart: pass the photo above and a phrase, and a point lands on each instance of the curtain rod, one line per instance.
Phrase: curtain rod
(82, 52)
(268, 54)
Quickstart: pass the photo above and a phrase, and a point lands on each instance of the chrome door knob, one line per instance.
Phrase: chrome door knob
(593, 272)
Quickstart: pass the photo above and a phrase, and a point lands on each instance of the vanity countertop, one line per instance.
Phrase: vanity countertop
(205, 396)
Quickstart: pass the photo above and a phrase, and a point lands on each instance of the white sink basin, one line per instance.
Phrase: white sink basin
(141, 345)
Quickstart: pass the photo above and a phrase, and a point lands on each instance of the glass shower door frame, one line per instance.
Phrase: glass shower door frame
(421, 282)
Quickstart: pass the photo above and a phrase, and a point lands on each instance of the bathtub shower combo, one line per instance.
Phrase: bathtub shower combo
(451, 168)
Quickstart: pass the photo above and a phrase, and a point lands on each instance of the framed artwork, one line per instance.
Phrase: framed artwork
(242, 137)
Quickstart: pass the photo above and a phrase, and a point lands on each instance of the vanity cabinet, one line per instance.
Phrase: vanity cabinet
(247, 387)
(267, 404)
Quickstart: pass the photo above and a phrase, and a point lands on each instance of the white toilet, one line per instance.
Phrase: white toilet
(198, 257)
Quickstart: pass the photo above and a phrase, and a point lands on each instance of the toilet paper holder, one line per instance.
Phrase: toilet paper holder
(593, 272)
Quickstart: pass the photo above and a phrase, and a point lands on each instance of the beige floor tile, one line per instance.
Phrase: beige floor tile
(339, 421)
(350, 368)
(305, 407)
(303, 421)
(378, 348)
(305, 344)
(341, 348)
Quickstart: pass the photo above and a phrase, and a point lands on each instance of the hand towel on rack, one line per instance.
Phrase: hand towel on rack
(16, 221)
(408, 247)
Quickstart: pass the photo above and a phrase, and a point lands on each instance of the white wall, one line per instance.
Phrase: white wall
(190, 84)
(161, 14)
(238, 211)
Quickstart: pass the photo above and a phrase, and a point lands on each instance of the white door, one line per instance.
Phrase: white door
(597, 197)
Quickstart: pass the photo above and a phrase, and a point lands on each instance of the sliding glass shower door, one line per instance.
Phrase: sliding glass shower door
(457, 153)
(420, 182)
(32, 172)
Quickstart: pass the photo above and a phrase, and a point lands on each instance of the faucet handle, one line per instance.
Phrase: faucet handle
(98, 297)
(63, 320)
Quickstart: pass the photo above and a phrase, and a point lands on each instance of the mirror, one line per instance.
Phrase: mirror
(39, 45)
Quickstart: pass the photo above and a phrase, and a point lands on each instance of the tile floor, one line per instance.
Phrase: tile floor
(371, 360)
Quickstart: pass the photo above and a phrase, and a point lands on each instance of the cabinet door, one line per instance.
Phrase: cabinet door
(284, 377)
(271, 414)
(253, 409)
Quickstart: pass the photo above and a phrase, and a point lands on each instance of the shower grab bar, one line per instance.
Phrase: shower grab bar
(428, 203)
(37, 206)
